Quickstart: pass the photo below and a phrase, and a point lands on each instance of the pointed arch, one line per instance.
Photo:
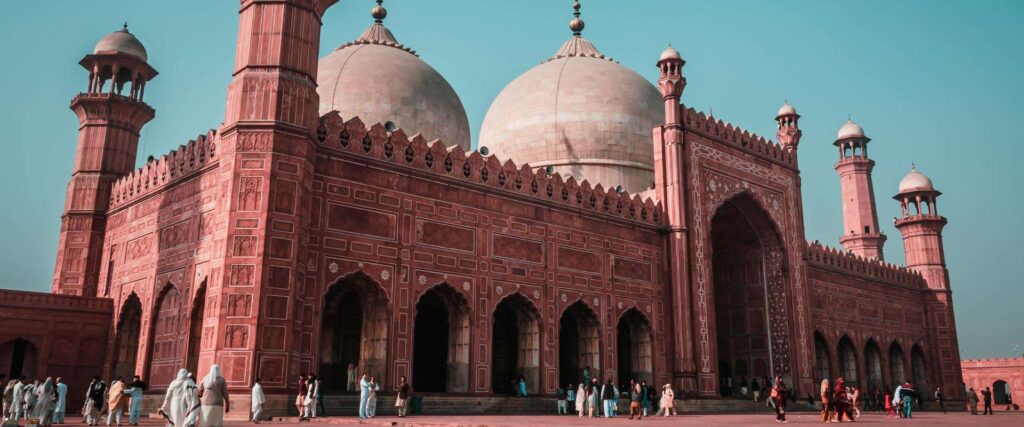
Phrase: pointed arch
(166, 341)
(441, 334)
(515, 344)
(874, 379)
(126, 338)
(897, 369)
(19, 357)
(822, 357)
(918, 368)
(847, 353)
(634, 347)
(579, 342)
(354, 328)
(195, 328)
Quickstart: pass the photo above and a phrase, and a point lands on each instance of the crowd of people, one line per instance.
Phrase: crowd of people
(593, 399)
(43, 401)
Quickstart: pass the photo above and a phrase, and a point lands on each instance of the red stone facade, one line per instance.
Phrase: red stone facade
(288, 242)
(1005, 377)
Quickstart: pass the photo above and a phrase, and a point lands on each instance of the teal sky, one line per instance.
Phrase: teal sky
(939, 83)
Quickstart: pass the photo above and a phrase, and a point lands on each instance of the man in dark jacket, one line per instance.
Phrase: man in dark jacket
(986, 396)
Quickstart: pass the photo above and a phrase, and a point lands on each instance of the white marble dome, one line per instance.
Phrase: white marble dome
(579, 114)
(669, 53)
(121, 41)
(915, 181)
(786, 110)
(380, 80)
(850, 129)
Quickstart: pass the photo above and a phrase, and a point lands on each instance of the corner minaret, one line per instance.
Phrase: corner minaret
(789, 127)
(921, 226)
(669, 183)
(110, 116)
(860, 219)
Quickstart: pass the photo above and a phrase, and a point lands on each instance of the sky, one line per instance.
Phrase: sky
(937, 83)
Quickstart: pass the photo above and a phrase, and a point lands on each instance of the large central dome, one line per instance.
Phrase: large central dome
(380, 80)
(581, 114)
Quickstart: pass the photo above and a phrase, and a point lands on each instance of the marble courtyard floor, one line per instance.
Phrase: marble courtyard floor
(922, 419)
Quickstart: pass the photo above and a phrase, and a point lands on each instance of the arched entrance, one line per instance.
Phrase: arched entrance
(873, 365)
(1001, 392)
(822, 361)
(918, 371)
(126, 346)
(633, 347)
(897, 373)
(195, 329)
(441, 342)
(749, 275)
(353, 329)
(19, 357)
(579, 347)
(515, 344)
(166, 338)
(847, 361)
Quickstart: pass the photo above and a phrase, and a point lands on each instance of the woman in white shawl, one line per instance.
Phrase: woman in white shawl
(581, 400)
(213, 394)
(177, 401)
(258, 399)
(667, 403)
(44, 402)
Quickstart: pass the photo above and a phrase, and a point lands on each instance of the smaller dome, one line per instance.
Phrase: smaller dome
(670, 53)
(786, 110)
(850, 130)
(915, 181)
(121, 41)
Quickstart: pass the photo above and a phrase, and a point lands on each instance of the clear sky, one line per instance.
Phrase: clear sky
(939, 83)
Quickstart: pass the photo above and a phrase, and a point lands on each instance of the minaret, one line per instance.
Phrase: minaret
(669, 182)
(110, 115)
(860, 219)
(789, 127)
(921, 226)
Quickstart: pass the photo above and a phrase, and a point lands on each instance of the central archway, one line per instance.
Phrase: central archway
(749, 276)
(873, 365)
(515, 344)
(126, 347)
(18, 357)
(579, 343)
(441, 341)
(354, 330)
(634, 347)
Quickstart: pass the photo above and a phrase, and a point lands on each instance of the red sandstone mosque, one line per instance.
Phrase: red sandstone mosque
(338, 215)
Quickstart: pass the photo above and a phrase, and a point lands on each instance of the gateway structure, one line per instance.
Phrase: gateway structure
(336, 216)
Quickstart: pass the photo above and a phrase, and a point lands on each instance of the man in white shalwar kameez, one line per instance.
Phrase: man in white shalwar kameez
(364, 395)
(18, 401)
(62, 401)
(213, 396)
(177, 401)
(258, 399)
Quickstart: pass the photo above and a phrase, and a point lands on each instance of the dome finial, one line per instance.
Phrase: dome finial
(913, 167)
(379, 12)
(125, 28)
(576, 25)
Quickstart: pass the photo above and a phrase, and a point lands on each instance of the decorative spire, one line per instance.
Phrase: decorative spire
(125, 28)
(379, 12)
(577, 24)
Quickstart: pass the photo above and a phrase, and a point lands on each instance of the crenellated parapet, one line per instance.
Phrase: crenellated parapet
(181, 163)
(825, 256)
(354, 137)
(698, 122)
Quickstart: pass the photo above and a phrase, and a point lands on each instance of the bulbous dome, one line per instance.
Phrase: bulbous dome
(915, 181)
(850, 129)
(669, 53)
(121, 41)
(380, 80)
(581, 114)
(786, 110)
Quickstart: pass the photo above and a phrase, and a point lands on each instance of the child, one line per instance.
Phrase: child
(889, 410)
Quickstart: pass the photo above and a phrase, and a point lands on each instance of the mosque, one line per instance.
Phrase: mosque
(337, 215)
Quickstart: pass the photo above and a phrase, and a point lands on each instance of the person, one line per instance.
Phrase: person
(907, 399)
(300, 400)
(60, 406)
(402, 400)
(570, 397)
(826, 401)
(972, 401)
(94, 400)
(194, 408)
(744, 386)
(756, 390)
(177, 400)
(29, 398)
(364, 394)
(840, 400)
(258, 399)
(855, 402)
(134, 391)
(592, 391)
(313, 391)
(351, 372)
(635, 398)
(778, 397)
(116, 401)
(607, 397)
(45, 397)
(581, 400)
(8, 407)
(986, 395)
(560, 398)
(586, 375)
(645, 397)
(666, 405)
(213, 398)
(371, 400)
(897, 402)
(890, 410)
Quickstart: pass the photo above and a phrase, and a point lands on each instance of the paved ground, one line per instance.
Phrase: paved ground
(1000, 419)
